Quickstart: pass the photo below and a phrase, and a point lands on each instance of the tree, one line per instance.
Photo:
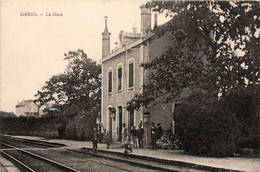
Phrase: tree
(76, 93)
(77, 89)
(79, 84)
(216, 48)
(241, 104)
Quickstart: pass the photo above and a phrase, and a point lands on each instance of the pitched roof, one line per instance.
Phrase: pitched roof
(23, 103)
(138, 40)
(127, 47)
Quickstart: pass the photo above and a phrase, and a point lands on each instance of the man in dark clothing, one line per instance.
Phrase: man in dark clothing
(133, 135)
(107, 138)
(140, 134)
(95, 140)
(159, 131)
(153, 136)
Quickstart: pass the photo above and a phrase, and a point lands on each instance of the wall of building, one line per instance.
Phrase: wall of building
(20, 111)
(31, 108)
(120, 98)
(161, 112)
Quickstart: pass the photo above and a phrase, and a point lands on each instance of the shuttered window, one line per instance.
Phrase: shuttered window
(131, 75)
(120, 78)
(109, 82)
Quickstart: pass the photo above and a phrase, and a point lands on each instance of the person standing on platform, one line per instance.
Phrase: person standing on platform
(133, 136)
(159, 131)
(95, 140)
(140, 135)
(153, 136)
(107, 138)
(124, 134)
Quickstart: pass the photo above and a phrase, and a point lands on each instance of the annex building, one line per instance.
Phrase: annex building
(27, 108)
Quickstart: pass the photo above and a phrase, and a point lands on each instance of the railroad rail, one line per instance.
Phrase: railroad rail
(28, 161)
(40, 143)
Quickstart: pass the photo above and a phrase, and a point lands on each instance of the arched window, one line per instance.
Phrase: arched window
(120, 76)
(110, 80)
(131, 73)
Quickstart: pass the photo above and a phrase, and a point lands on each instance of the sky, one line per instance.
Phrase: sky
(32, 47)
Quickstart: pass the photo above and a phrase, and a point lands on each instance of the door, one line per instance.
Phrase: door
(110, 126)
(119, 122)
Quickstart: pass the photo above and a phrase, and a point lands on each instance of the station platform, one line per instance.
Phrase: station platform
(7, 166)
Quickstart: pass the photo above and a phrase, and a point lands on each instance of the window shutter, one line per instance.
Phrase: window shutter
(131, 75)
(120, 73)
(110, 82)
(119, 78)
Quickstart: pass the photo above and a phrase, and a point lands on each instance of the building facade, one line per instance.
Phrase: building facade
(123, 78)
(27, 108)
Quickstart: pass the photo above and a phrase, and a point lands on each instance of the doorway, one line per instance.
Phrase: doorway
(110, 125)
(120, 122)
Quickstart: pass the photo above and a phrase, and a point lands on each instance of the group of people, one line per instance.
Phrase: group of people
(135, 135)
(156, 133)
(107, 138)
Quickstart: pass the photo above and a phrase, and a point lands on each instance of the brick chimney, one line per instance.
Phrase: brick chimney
(145, 20)
(105, 41)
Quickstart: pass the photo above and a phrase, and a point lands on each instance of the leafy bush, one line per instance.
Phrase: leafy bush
(42, 126)
(81, 126)
(169, 141)
(62, 130)
(243, 106)
(206, 127)
(78, 131)
(71, 132)
(164, 143)
(6, 114)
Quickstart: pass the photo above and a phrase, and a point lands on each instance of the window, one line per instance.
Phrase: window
(110, 82)
(131, 75)
(119, 71)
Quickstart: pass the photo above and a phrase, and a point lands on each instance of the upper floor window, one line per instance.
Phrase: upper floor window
(119, 81)
(110, 81)
(131, 74)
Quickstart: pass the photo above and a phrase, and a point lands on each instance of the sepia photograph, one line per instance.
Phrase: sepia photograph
(129, 85)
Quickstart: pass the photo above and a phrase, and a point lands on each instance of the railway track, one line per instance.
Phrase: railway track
(37, 156)
(32, 161)
(28, 161)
